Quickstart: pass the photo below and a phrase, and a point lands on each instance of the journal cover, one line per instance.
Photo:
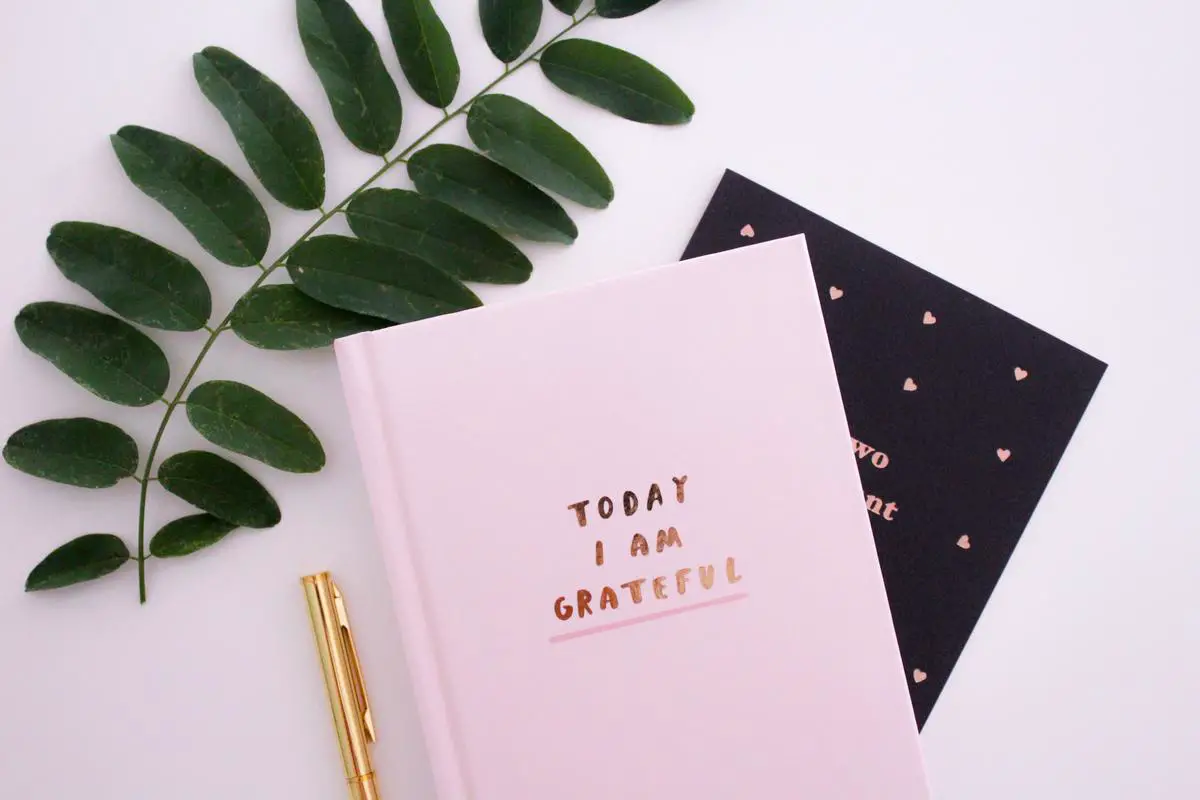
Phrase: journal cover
(959, 413)
(626, 542)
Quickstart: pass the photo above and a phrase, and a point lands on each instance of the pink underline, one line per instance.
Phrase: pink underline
(612, 626)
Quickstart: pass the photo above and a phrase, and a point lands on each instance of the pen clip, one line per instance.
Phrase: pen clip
(355, 667)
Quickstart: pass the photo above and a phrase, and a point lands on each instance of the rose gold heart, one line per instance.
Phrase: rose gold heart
(748, 231)
(910, 385)
(919, 676)
(964, 542)
(929, 318)
(1003, 454)
(835, 293)
(1020, 374)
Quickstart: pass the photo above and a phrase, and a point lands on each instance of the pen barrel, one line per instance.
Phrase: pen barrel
(343, 680)
(364, 788)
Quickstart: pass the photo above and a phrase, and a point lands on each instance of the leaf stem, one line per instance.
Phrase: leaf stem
(225, 324)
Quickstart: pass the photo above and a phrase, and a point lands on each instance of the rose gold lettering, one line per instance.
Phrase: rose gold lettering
(862, 450)
(580, 514)
(639, 546)
(681, 580)
(679, 482)
(655, 494)
(668, 538)
(635, 589)
(562, 610)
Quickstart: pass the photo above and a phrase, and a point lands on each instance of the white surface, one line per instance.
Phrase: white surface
(1037, 153)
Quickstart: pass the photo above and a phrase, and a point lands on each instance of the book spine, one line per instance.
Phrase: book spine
(393, 532)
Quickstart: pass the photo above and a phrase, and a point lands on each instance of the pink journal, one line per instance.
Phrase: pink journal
(627, 543)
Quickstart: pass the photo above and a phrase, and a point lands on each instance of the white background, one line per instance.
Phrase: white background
(1040, 154)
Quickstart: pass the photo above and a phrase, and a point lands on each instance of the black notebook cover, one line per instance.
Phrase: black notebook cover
(958, 410)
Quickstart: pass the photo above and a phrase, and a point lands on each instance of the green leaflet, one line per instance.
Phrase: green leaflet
(140, 280)
(622, 8)
(281, 317)
(492, 194)
(346, 58)
(278, 140)
(617, 81)
(424, 48)
(186, 535)
(437, 233)
(242, 419)
(220, 487)
(518, 136)
(510, 26)
(78, 451)
(372, 279)
(105, 355)
(86, 558)
(414, 251)
(203, 194)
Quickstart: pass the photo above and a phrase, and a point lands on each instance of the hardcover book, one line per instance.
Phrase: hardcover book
(959, 413)
(626, 542)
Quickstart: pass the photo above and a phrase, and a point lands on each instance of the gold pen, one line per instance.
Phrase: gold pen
(344, 680)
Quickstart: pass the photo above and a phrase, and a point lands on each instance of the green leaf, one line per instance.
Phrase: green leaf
(140, 280)
(373, 279)
(78, 451)
(281, 317)
(278, 140)
(518, 136)
(346, 58)
(617, 81)
(220, 487)
(107, 356)
(424, 48)
(242, 419)
(435, 232)
(204, 195)
(510, 26)
(567, 6)
(622, 8)
(492, 194)
(86, 558)
(186, 535)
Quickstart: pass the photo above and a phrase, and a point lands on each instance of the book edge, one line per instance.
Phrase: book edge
(377, 462)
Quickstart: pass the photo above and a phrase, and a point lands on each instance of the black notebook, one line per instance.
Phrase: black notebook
(958, 410)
